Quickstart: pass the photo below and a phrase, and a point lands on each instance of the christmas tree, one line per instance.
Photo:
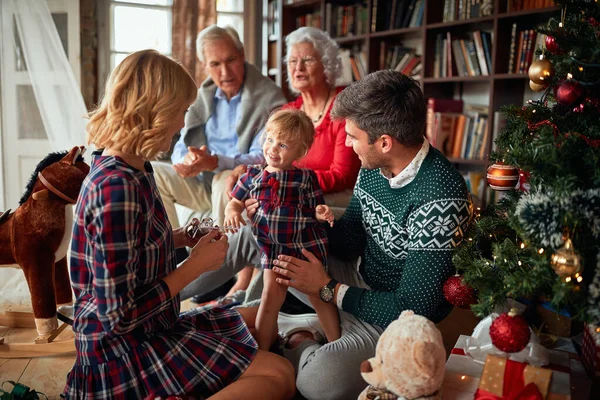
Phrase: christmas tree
(542, 239)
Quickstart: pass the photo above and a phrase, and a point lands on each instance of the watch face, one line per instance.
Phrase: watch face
(326, 294)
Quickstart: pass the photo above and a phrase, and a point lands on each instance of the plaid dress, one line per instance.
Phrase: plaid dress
(131, 341)
(285, 220)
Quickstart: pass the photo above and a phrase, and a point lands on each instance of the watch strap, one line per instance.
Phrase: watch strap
(332, 283)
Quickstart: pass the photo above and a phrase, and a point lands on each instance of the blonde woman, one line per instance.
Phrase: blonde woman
(131, 341)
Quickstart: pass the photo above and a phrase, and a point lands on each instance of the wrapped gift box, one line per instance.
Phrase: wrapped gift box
(463, 374)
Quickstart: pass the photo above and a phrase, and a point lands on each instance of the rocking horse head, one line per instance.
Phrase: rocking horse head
(59, 173)
(37, 235)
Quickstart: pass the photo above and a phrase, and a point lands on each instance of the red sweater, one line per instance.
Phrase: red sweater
(335, 165)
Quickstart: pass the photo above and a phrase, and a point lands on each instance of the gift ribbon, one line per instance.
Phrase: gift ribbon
(533, 354)
(513, 385)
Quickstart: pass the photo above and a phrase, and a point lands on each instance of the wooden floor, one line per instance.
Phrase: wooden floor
(44, 374)
(48, 374)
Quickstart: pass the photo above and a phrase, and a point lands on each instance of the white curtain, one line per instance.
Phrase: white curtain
(56, 90)
(57, 94)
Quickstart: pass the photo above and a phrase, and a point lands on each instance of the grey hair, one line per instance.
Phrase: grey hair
(326, 47)
(215, 32)
(385, 102)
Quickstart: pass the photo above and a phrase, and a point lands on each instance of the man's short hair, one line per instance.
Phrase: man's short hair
(215, 32)
(385, 102)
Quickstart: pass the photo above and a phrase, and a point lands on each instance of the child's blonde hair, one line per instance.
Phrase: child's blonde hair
(143, 95)
(292, 125)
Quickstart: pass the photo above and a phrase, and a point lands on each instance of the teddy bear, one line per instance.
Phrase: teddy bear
(409, 361)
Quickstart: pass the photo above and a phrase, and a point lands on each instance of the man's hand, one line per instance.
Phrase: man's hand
(197, 160)
(324, 214)
(306, 276)
(233, 178)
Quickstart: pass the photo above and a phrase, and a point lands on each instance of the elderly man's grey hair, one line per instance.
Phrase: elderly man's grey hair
(215, 32)
(326, 47)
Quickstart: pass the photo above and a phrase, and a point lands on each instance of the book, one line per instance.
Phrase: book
(439, 105)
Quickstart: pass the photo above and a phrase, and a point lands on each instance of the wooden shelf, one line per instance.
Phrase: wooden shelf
(480, 78)
(350, 39)
(511, 76)
(526, 13)
(468, 162)
(394, 32)
(460, 23)
(300, 3)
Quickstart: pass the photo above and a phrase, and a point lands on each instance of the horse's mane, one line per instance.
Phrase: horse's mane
(49, 160)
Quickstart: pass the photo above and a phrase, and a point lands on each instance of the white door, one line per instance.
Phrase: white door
(23, 139)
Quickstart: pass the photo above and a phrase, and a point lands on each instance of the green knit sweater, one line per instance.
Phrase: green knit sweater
(407, 237)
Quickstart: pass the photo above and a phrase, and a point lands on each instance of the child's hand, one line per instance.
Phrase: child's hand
(324, 214)
(233, 221)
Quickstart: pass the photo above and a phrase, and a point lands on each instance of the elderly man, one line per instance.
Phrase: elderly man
(221, 127)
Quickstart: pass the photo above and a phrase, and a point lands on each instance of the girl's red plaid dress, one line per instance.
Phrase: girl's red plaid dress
(131, 341)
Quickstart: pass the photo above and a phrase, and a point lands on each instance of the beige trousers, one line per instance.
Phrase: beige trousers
(191, 193)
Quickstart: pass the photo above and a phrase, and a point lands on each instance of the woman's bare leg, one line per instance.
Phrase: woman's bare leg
(269, 376)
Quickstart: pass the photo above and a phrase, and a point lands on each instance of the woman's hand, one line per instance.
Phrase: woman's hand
(324, 214)
(306, 276)
(209, 253)
(182, 238)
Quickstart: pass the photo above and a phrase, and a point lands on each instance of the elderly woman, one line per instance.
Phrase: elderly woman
(312, 69)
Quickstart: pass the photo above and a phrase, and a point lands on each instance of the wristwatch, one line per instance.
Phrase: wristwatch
(327, 291)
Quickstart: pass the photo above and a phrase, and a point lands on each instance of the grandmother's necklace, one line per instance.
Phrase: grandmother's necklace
(323, 110)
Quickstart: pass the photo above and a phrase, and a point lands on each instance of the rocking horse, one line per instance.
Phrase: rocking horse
(37, 236)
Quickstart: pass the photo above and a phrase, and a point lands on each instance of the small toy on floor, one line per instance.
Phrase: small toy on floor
(409, 361)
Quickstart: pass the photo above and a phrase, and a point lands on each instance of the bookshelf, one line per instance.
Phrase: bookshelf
(373, 31)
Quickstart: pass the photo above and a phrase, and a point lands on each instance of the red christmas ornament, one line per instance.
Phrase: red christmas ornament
(510, 332)
(502, 177)
(524, 180)
(552, 46)
(458, 293)
(569, 92)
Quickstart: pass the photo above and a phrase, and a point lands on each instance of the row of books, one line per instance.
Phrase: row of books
(273, 18)
(396, 14)
(354, 65)
(457, 130)
(522, 48)
(311, 19)
(520, 5)
(399, 58)
(471, 56)
(346, 20)
(456, 10)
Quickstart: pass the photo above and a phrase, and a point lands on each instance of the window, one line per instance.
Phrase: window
(129, 35)
(231, 12)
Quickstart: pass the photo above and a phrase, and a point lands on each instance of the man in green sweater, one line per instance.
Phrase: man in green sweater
(409, 211)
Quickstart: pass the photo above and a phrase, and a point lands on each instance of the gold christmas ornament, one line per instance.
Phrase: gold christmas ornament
(502, 177)
(537, 88)
(565, 261)
(541, 71)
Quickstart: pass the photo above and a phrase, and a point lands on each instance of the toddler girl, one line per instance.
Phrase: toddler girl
(290, 204)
